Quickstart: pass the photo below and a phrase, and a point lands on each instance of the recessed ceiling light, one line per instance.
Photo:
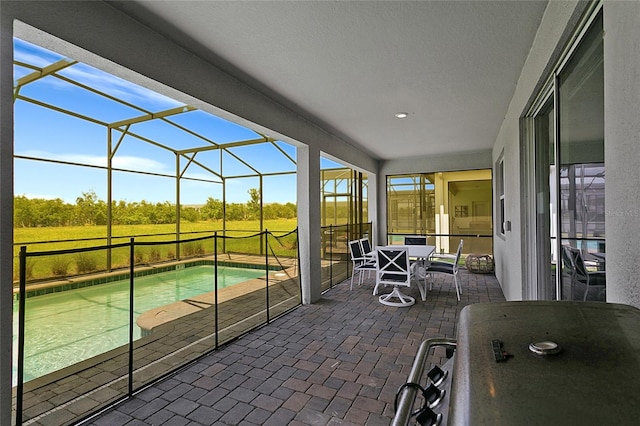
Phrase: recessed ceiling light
(402, 115)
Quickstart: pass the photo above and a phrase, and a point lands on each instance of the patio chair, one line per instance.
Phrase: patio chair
(367, 251)
(418, 267)
(447, 268)
(594, 283)
(359, 261)
(393, 269)
(415, 240)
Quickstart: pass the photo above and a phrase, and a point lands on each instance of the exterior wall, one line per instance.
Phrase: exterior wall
(6, 215)
(622, 146)
(622, 150)
(558, 20)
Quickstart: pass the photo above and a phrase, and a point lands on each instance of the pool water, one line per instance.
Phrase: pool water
(67, 327)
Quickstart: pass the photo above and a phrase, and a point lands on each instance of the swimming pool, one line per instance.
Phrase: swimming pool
(67, 327)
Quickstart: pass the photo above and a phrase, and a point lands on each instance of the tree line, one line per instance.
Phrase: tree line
(90, 210)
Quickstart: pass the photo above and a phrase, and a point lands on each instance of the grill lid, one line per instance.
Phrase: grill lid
(567, 361)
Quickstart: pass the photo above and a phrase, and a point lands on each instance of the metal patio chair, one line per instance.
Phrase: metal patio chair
(447, 268)
(393, 269)
(593, 283)
(359, 261)
(415, 240)
(419, 266)
(367, 251)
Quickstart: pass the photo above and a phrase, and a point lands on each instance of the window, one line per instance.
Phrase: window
(444, 206)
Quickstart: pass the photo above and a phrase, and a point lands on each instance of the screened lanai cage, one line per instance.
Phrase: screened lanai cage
(94, 149)
(82, 134)
(131, 206)
(344, 196)
(344, 216)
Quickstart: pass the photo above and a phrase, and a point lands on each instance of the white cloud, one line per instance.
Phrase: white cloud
(121, 162)
(33, 54)
(202, 175)
(118, 87)
(139, 163)
(31, 58)
(92, 77)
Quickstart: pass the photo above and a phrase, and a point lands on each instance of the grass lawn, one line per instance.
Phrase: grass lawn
(65, 238)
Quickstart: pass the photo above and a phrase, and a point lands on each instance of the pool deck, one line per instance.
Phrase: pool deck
(336, 362)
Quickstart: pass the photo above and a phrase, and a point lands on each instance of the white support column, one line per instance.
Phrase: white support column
(308, 175)
(372, 208)
(381, 208)
(6, 213)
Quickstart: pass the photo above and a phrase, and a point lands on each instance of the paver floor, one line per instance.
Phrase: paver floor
(336, 362)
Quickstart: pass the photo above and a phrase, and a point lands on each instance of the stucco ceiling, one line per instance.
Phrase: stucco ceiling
(349, 66)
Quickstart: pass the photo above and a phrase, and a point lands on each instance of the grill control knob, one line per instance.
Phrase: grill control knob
(426, 417)
(436, 375)
(544, 348)
(432, 395)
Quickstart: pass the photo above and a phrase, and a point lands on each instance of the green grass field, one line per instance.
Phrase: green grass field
(65, 238)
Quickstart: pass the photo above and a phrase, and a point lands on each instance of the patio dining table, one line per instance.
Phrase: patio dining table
(420, 252)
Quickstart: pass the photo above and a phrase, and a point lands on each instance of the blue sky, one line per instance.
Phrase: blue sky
(52, 135)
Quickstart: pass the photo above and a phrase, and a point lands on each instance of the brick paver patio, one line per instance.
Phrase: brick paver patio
(337, 362)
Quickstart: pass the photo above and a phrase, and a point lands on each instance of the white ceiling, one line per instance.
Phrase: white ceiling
(349, 66)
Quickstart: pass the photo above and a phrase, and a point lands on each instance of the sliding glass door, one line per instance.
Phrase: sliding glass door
(570, 176)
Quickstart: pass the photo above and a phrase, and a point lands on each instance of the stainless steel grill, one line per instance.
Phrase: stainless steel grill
(532, 363)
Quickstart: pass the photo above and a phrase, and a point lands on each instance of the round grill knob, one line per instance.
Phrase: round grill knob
(544, 348)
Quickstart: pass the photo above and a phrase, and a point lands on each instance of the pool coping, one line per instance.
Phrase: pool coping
(82, 281)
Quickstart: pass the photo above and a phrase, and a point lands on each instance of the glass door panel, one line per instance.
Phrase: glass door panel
(581, 168)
